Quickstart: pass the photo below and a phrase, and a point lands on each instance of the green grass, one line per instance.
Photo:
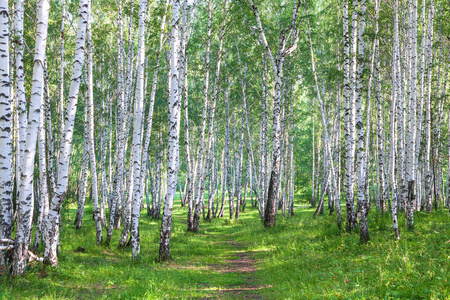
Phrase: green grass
(301, 258)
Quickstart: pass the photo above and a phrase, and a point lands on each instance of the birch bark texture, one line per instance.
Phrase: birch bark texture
(6, 185)
(25, 200)
(91, 146)
(50, 255)
(137, 188)
(201, 156)
(277, 68)
(174, 107)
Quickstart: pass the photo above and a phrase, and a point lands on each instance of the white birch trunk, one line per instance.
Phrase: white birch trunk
(411, 135)
(226, 159)
(349, 121)
(50, 256)
(20, 87)
(395, 96)
(173, 133)
(149, 120)
(428, 175)
(84, 169)
(277, 67)
(201, 164)
(91, 146)
(327, 150)
(360, 151)
(43, 186)
(212, 108)
(120, 135)
(263, 146)
(25, 200)
(238, 193)
(6, 185)
(137, 190)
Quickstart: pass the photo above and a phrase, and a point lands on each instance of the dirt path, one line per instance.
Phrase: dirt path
(241, 263)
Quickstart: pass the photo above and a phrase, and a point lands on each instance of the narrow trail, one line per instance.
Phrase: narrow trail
(240, 262)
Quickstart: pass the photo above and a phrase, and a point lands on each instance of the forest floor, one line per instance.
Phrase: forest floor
(301, 258)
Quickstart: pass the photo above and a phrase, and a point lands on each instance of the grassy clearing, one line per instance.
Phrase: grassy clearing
(301, 258)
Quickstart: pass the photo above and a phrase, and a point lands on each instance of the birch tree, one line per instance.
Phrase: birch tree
(395, 94)
(120, 137)
(201, 157)
(412, 103)
(91, 146)
(277, 67)
(25, 200)
(6, 185)
(174, 107)
(50, 255)
(360, 152)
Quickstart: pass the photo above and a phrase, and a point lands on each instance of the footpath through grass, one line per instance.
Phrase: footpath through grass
(301, 258)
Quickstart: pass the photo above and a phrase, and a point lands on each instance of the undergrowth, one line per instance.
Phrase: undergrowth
(300, 258)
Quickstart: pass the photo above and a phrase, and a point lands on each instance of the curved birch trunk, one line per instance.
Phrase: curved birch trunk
(277, 67)
(50, 255)
(327, 151)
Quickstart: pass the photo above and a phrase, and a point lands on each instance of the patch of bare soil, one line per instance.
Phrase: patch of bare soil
(243, 263)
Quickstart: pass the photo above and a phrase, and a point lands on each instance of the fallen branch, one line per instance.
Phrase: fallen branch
(7, 241)
(9, 247)
(32, 257)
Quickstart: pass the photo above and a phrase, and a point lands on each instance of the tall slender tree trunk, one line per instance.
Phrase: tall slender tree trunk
(199, 190)
(6, 184)
(25, 200)
(395, 94)
(360, 151)
(327, 151)
(263, 143)
(428, 174)
(137, 187)
(277, 67)
(212, 108)
(50, 256)
(239, 163)
(349, 119)
(92, 156)
(84, 168)
(120, 135)
(412, 103)
(173, 133)
(43, 186)
(226, 159)
(20, 88)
